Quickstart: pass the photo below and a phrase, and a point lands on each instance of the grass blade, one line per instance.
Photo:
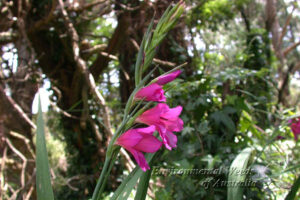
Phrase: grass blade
(130, 181)
(143, 186)
(43, 181)
(292, 194)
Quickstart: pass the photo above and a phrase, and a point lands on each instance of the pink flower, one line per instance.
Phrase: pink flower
(168, 78)
(295, 126)
(140, 140)
(166, 120)
(153, 92)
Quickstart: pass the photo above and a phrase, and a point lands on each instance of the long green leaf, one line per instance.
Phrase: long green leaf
(43, 181)
(236, 175)
(142, 188)
(124, 190)
(292, 194)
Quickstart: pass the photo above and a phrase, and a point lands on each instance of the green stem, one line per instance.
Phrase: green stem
(133, 118)
(109, 160)
(109, 157)
(101, 178)
(110, 154)
(111, 164)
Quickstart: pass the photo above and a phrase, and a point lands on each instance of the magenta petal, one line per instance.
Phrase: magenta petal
(168, 78)
(171, 139)
(148, 144)
(162, 133)
(148, 130)
(167, 144)
(140, 159)
(153, 92)
(172, 113)
(295, 126)
(129, 139)
(158, 96)
(166, 120)
(140, 140)
(162, 108)
(179, 125)
(173, 125)
(161, 130)
(151, 116)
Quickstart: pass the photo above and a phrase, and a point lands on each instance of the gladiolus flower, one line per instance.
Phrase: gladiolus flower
(168, 78)
(153, 92)
(295, 126)
(166, 120)
(140, 140)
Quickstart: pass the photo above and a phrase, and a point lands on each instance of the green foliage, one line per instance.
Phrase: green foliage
(212, 13)
(216, 128)
(79, 165)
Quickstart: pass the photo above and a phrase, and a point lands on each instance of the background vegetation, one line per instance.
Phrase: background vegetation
(238, 90)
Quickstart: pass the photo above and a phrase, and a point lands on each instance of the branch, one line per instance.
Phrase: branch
(30, 183)
(246, 20)
(129, 164)
(26, 141)
(290, 48)
(95, 49)
(29, 193)
(116, 41)
(87, 6)
(65, 113)
(16, 151)
(273, 25)
(14, 112)
(90, 79)
(82, 67)
(124, 7)
(296, 67)
(112, 57)
(284, 86)
(3, 161)
(162, 62)
(96, 130)
(287, 22)
(2, 135)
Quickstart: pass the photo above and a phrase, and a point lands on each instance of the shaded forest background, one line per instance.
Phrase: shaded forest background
(239, 88)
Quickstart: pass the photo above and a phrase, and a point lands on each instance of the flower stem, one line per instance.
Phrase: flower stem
(105, 176)
(101, 178)
(111, 156)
